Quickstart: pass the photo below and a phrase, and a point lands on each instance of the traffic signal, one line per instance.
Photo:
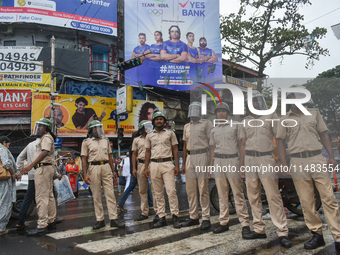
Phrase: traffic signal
(130, 64)
(120, 135)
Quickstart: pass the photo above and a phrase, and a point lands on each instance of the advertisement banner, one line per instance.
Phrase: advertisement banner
(183, 37)
(74, 112)
(35, 82)
(15, 100)
(96, 16)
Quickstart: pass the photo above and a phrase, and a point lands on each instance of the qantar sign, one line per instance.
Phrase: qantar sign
(15, 100)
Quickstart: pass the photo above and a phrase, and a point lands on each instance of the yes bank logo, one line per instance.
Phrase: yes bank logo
(238, 100)
(192, 8)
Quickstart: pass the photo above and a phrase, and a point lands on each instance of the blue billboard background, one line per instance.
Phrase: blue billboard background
(199, 17)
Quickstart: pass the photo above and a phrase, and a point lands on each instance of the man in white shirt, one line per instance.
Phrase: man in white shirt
(125, 164)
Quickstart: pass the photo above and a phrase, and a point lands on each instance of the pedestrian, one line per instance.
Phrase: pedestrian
(7, 186)
(43, 177)
(161, 147)
(306, 158)
(125, 170)
(72, 171)
(118, 170)
(256, 146)
(224, 152)
(196, 137)
(138, 165)
(97, 165)
(62, 167)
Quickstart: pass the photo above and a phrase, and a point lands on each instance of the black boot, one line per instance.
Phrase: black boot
(99, 224)
(205, 225)
(255, 235)
(315, 242)
(246, 233)
(160, 223)
(191, 222)
(285, 242)
(221, 228)
(52, 226)
(117, 224)
(37, 232)
(175, 222)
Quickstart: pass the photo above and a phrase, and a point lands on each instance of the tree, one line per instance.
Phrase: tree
(325, 90)
(267, 29)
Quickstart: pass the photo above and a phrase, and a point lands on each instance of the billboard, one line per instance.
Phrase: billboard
(96, 16)
(15, 100)
(183, 37)
(74, 112)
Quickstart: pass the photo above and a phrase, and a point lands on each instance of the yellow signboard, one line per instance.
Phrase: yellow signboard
(33, 81)
(73, 113)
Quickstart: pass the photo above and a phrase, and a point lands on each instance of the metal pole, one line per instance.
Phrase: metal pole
(52, 83)
(118, 119)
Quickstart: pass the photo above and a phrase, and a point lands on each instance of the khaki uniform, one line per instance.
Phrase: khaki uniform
(301, 138)
(99, 149)
(260, 140)
(224, 137)
(138, 145)
(43, 182)
(161, 144)
(196, 135)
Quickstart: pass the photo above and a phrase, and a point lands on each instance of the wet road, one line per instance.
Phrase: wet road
(74, 235)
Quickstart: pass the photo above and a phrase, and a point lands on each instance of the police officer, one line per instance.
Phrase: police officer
(138, 166)
(97, 165)
(195, 154)
(310, 169)
(224, 154)
(161, 148)
(256, 149)
(43, 177)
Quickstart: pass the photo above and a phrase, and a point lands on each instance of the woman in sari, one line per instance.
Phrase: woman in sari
(72, 171)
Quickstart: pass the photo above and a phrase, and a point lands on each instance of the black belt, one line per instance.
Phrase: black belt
(161, 160)
(226, 155)
(194, 152)
(141, 161)
(306, 154)
(96, 163)
(257, 153)
(42, 164)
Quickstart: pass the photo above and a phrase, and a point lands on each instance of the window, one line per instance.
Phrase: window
(100, 58)
(10, 43)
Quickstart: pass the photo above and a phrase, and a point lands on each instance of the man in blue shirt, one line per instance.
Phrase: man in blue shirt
(207, 55)
(141, 48)
(174, 50)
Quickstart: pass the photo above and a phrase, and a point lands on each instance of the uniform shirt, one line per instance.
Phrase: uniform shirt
(193, 52)
(96, 149)
(196, 134)
(205, 52)
(174, 47)
(160, 143)
(138, 146)
(47, 144)
(141, 49)
(80, 120)
(224, 137)
(155, 48)
(304, 136)
(28, 154)
(259, 138)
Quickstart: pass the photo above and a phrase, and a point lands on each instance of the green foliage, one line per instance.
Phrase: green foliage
(267, 29)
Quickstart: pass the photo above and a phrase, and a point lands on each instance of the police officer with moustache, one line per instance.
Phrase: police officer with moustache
(43, 177)
(224, 153)
(195, 153)
(161, 147)
(97, 165)
(310, 169)
(138, 166)
(256, 150)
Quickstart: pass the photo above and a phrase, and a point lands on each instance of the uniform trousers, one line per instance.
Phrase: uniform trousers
(233, 178)
(46, 208)
(256, 175)
(143, 184)
(101, 175)
(159, 172)
(305, 176)
(196, 176)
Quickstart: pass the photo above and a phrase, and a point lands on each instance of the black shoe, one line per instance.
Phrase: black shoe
(37, 232)
(121, 209)
(20, 227)
(220, 228)
(117, 224)
(337, 246)
(142, 217)
(285, 242)
(52, 226)
(191, 222)
(205, 225)
(255, 235)
(58, 220)
(176, 223)
(155, 219)
(246, 233)
(315, 242)
(99, 224)
(160, 223)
